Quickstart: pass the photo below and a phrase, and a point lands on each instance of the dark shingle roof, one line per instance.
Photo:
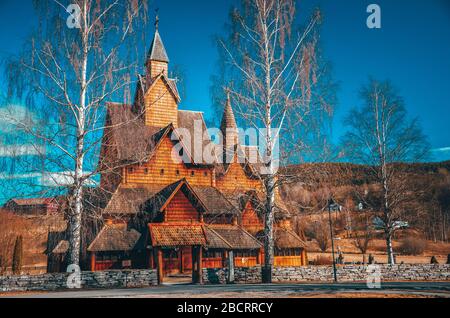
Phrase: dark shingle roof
(61, 248)
(131, 200)
(115, 237)
(144, 85)
(160, 199)
(284, 238)
(235, 236)
(188, 120)
(128, 136)
(249, 158)
(151, 199)
(53, 240)
(33, 201)
(171, 235)
(134, 142)
(228, 119)
(157, 50)
(214, 240)
(214, 201)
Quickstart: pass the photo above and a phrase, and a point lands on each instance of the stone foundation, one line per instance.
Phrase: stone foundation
(248, 275)
(242, 275)
(94, 280)
(350, 273)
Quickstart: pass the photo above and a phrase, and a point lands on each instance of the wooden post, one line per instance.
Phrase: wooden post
(200, 265)
(181, 260)
(259, 257)
(197, 266)
(230, 277)
(159, 265)
(194, 265)
(224, 258)
(304, 257)
(92, 261)
(151, 260)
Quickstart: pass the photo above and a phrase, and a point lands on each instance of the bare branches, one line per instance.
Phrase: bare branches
(380, 136)
(68, 75)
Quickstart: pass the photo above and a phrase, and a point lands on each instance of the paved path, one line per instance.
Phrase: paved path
(433, 289)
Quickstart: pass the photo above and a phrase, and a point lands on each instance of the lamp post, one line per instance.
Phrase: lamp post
(332, 205)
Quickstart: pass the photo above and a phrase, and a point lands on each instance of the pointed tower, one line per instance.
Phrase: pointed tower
(229, 129)
(161, 96)
(157, 59)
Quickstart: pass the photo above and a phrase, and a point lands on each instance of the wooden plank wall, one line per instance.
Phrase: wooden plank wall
(154, 68)
(161, 107)
(250, 220)
(180, 209)
(237, 179)
(162, 169)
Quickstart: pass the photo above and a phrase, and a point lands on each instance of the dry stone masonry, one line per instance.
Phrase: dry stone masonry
(94, 280)
(248, 275)
(349, 273)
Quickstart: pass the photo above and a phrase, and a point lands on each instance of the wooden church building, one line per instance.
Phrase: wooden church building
(166, 211)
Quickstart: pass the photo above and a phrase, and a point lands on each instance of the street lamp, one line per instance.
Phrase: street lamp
(332, 206)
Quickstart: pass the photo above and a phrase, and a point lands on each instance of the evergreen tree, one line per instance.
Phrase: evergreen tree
(17, 256)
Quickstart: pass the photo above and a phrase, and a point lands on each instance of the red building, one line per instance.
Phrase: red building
(38, 206)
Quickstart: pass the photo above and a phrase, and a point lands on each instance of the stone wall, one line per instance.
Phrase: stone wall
(248, 275)
(349, 273)
(242, 275)
(58, 281)
(402, 272)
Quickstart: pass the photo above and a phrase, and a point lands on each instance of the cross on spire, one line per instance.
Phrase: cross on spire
(157, 19)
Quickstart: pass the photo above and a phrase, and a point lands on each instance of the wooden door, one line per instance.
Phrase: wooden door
(186, 259)
(171, 262)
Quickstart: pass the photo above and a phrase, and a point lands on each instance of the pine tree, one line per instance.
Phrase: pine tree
(17, 256)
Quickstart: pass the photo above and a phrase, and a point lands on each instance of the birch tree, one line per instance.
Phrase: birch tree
(272, 76)
(381, 135)
(82, 55)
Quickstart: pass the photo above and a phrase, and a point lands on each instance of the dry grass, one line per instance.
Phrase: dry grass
(377, 248)
(34, 231)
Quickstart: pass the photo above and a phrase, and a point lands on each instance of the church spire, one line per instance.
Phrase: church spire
(157, 59)
(229, 128)
(228, 119)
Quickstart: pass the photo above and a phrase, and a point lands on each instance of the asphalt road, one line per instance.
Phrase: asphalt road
(433, 289)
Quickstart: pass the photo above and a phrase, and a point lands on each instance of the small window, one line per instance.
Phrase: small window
(162, 171)
(146, 170)
(130, 170)
(178, 172)
(192, 173)
(205, 173)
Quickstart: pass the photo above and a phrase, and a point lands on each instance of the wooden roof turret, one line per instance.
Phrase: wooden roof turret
(229, 129)
(157, 50)
(157, 59)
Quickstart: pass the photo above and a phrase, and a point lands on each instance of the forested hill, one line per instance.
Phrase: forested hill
(319, 175)
(426, 196)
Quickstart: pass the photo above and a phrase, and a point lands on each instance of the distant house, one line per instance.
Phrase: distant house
(379, 224)
(36, 206)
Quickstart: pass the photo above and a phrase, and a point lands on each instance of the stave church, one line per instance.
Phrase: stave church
(176, 216)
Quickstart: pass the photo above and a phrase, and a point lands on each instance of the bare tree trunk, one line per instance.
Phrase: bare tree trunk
(390, 250)
(268, 230)
(76, 212)
(77, 71)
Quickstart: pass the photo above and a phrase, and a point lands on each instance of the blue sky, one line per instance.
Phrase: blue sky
(412, 49)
